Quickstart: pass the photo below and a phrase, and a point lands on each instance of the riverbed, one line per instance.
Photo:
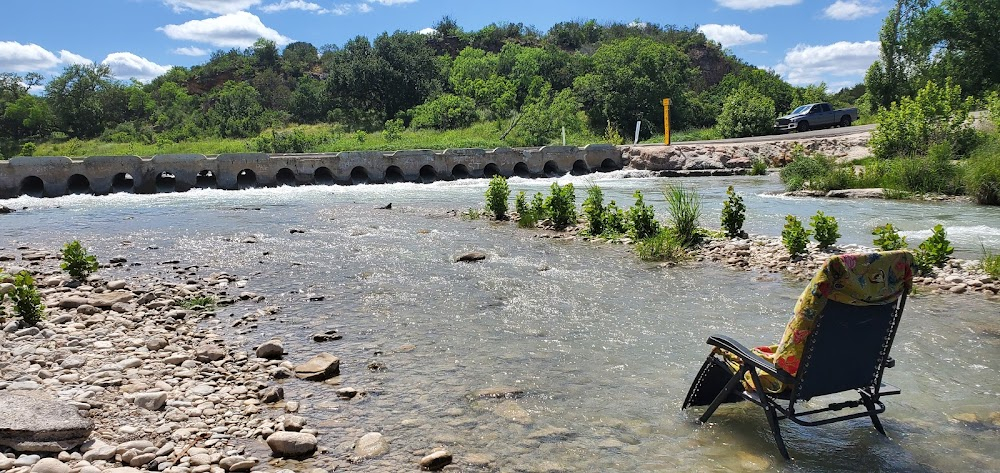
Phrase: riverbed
(602, 346)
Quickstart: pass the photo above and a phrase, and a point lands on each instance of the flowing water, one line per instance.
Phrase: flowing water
(603, 346)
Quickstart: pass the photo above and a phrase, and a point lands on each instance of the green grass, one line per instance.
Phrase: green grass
(325, 139)
(680, 136)
(205, 302)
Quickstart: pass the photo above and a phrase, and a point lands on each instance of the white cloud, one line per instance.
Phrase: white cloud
(130, 66)
(428, 31)
(211, 6)
(849, 10)
(391, 2)
(17, 57)
(191, 51)
(813, 64)
(730, 35)
(756, 4)
(294, 5)
(365, 8)
(238, 29)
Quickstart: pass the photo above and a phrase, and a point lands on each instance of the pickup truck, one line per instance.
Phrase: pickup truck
(815, 115)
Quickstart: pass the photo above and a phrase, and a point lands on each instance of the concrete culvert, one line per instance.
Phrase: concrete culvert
(324, 176)
(166, 182)
(33, 186)
(123, 182)
(428, 174)
(78, 184)
(246, 179)
(609, 165)
(551, 169)
(206, 180)
(393, 175)
(460, 172)
(491, 170)
(521, 170)
(285, 177)
(580, 168)
(359, 175)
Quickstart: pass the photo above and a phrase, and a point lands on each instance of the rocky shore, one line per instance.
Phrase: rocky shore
(123, 376)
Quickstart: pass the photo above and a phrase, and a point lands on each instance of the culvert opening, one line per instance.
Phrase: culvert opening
(324, 176)
(166, 182)
(460, 172)
(33, 186)
(206, 180)
(551, 169)
(393, 175)
(78, 184)
(491, 170)
(123, 182)
(580, 168)
(609, 165)
(428, 174)
(246, 179)
(359, 175)
(285, 177)
(521, 170)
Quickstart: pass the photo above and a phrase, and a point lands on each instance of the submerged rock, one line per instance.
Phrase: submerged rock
(321, 367)
(471, 257)
(436, 461)
(371, 445)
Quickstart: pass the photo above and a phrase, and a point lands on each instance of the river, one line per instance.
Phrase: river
(603, 345)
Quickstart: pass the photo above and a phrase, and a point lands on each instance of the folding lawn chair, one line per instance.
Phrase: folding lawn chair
(837, 341)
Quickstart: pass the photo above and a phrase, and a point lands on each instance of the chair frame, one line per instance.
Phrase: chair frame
(869, 391)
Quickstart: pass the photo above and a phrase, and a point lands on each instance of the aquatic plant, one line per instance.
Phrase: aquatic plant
(496, 197)
(794, 236)
(561, 205)
(684, 207)
(77, 261)
(641, 219)
(27, 302)
(733, 214)
(991, 263)
(934, 251)
(888, 239)
(593, 209)
(824, 229)
(663, 246)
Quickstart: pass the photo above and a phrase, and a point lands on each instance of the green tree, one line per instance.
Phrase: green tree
(78, 98)
(299, 58)
(746, 112)
(236, 111)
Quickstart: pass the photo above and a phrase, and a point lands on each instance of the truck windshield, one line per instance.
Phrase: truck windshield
(802, 109)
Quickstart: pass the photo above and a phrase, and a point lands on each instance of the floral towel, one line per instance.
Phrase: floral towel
(855, 279)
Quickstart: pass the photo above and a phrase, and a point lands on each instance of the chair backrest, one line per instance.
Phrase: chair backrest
(848, 348)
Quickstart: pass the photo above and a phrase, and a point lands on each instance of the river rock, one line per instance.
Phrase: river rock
(107, 299)
(435, 461)
(117, 284)
(6, 210)
(875, 193)
(208, 352)
(30, 423)
(71, 302)
(499, 392)
(320, 367)
(271, 349)
(153, 401)
(50, 465)
(471, 257)
(328, 336)
(272, 394)
(237, 463)
(371, 445)
(292, 444)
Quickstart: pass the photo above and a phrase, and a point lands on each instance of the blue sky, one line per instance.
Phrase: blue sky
(806, 41)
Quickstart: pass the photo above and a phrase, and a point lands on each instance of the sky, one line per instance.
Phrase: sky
(805, 41)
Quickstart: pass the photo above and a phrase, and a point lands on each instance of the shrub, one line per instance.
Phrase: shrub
(934, 251)
(933, 173)
(990, 263)
(361, 136)
(937, 114)
(28, 149)
(663, 246)
(77, 262)
(981, 175)
(393, 129)
(611, 135)
(684, 207)
(496, 197)
(445, 112)
(794, 236)
(561, 205)
(641, 219)
(746, 112)
(525, 216)
(472, 214)
(294, 141)
(203, 302)
(27, 302)
(805, 169)
(615, 221)
(758, 167)
(733, 214)
(593, 209)
(887, 238)
(539, 207)
(824, 229)
(993, 106)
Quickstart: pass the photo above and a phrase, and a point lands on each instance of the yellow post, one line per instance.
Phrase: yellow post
(666, 121)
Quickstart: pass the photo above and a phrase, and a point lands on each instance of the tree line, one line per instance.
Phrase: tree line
(578, 75)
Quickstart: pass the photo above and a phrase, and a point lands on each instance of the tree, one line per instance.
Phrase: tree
(299, 58)
(888, 78)
(309, 103)
(235, 111)
(746, 112)
(85, 100)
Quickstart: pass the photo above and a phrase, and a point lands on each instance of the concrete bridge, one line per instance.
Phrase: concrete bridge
(56, 176)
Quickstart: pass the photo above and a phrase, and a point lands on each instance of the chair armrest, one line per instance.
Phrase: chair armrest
(748, 356)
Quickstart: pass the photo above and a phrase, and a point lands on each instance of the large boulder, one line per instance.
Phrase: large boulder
(371, 445)
(32, 423)
(292, 444)
(320, 367)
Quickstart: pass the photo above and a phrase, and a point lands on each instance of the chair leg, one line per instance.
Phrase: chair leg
(726, 391)
(870, 405)
(772, 416)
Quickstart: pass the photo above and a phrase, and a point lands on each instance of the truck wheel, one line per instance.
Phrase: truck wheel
(803, 126)
(845, 121)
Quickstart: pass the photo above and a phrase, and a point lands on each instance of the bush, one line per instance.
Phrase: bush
(77, 262)
(393, 129)
(733, 214)
(561, 205)
(758, 167)
(615, 221)
(27, 302)
(496, 197)
(663, 246)
(593, 209)
(294, 141)
(991, 263)
(936, 115)
(539, 207)
(684, 207)
(933, 173)
(824, 229)
(641, 219)
(981, 175)
(445, 112)
(794, 236)
(611, 135)
(888, 239)
(746, 112)
(28, 149)
(525, 216)
(934, 251)
(805, 169)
